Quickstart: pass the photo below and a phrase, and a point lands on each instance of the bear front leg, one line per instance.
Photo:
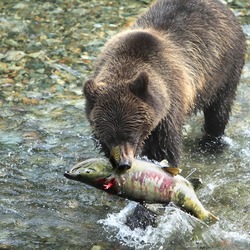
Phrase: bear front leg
(165, 142)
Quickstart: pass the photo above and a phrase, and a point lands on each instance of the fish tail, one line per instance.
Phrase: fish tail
(204, 215)
(210, 218)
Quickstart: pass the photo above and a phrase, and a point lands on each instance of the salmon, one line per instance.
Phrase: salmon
(144, 182)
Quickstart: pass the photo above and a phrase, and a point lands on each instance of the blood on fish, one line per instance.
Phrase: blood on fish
(110, 184)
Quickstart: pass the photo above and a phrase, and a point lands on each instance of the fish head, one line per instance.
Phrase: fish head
(93, 172)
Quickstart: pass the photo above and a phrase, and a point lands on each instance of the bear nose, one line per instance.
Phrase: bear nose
(124, 165)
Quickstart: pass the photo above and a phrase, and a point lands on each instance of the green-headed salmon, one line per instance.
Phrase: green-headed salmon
(144, 182)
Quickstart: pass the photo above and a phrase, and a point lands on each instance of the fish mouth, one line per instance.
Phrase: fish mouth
(70, 175)
(73, 173)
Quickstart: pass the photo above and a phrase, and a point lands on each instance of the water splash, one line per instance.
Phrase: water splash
(175, 228)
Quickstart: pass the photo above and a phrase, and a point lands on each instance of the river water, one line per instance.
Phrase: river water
(47, 51)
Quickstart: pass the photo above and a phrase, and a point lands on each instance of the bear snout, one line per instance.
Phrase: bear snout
(122, 156)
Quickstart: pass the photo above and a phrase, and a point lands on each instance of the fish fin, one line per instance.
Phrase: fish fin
(196, 182)
(165, 166)
(173, 171)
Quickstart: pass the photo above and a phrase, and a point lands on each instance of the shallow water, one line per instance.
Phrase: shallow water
(46, 54)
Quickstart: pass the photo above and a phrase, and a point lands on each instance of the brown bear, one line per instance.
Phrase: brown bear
(178, 58)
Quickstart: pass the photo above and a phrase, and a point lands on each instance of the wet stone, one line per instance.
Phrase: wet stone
(35, 64)
(11, 56)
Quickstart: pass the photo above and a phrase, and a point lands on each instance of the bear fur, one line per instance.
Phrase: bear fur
(178, 58)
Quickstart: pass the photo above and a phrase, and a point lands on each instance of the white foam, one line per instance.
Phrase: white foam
(245, 152)
(168, 230)
(175, 228)
(229, 141)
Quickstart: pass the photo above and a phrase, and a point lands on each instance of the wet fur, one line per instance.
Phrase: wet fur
(178, 58)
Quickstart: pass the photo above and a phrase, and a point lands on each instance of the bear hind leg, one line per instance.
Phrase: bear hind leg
(216, 118)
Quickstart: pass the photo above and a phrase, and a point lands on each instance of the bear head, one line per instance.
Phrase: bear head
(122, 116)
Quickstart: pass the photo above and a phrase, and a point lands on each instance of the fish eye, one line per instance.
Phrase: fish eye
(89, 170)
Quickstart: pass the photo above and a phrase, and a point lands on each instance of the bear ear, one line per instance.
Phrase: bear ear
(92, 89)
(139, 86)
